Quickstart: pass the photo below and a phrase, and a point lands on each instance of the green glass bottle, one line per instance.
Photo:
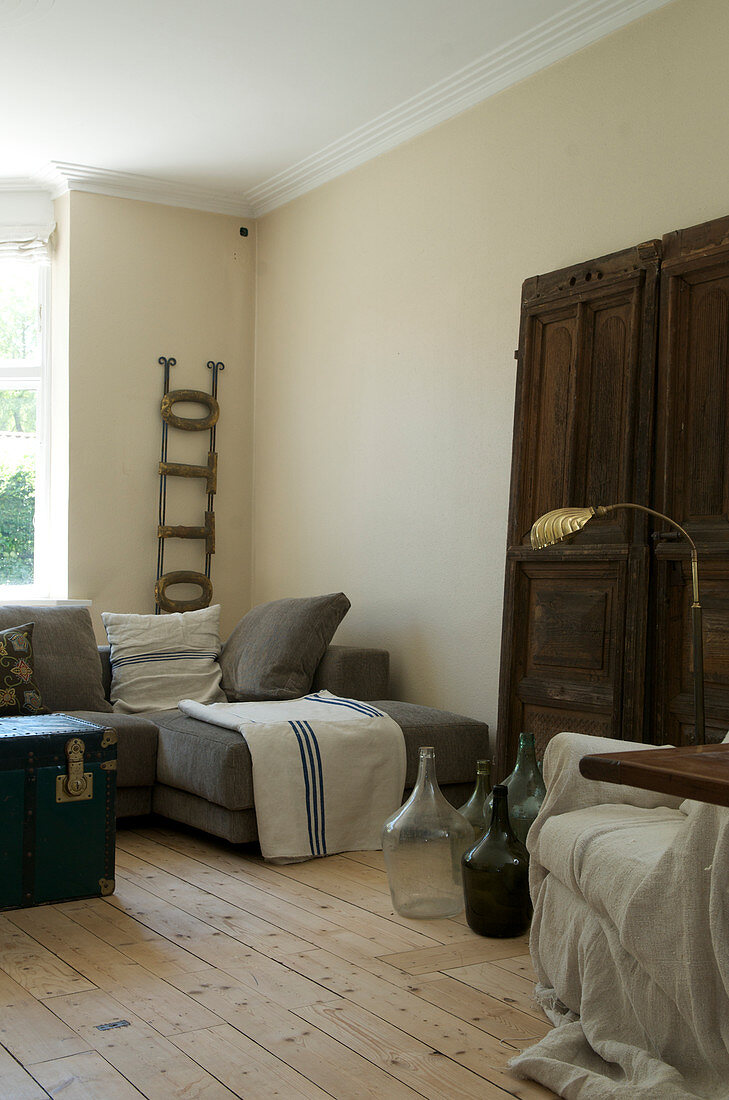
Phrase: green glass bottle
(496, 877)
(526, 788)
(474, 810)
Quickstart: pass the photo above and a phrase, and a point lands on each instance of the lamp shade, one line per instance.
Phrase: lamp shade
(558, 525)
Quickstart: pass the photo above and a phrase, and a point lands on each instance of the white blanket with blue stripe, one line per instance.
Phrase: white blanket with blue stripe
(327, 771)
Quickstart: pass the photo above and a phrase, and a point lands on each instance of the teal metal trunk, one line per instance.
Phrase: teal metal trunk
(57, 810)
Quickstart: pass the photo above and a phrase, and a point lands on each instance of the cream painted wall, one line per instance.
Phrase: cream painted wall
(149, 280)
(388, 313)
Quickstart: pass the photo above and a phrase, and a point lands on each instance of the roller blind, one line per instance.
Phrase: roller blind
(27, 242)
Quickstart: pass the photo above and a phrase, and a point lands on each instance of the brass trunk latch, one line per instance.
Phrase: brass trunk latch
(76, 785)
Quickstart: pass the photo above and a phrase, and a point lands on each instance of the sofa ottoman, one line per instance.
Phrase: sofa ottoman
(204, 774)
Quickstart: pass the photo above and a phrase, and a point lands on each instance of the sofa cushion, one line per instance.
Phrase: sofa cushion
(133, 801)
(205, 760)
(215, 763)
(156, 660)
(274, 650)
(458, 741)
(136, 745)
(67, 665)
(236, 826)
(354, 672)
(600, 849)
(19, 692)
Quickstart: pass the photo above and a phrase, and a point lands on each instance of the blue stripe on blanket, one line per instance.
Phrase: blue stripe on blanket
(314, 786)
(350, 704)
(320, 776)
(307, 787)
(311, 767)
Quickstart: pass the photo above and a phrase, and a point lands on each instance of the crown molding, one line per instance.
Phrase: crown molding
(578, 26)
(22, 184)
(58, 177)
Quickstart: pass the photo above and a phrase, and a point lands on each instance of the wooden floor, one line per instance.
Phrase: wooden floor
(209, 974)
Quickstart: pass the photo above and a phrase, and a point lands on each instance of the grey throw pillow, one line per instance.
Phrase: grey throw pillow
(274, 650)
(67, 663)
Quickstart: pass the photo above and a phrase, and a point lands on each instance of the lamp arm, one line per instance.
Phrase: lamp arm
(603, 509)
(696, 614)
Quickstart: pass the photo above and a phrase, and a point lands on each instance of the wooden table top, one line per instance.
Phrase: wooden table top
(695, 771)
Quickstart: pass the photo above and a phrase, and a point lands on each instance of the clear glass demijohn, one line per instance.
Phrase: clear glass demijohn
(423, 844)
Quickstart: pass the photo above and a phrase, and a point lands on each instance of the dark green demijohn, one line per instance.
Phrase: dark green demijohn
(496, 877)
(526, 788)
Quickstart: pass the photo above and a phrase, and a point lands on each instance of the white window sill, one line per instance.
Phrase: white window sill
(40, 601)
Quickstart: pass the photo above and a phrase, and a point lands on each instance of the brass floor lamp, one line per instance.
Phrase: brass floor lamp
(563, 523)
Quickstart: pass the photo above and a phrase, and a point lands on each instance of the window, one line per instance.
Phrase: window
(24, 425)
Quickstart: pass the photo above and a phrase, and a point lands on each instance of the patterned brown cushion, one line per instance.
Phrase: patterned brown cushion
(19, 692)
(67, 664)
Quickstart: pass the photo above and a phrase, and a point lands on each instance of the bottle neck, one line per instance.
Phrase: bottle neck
(483, 777)
(500, 823)
(526, 759)
(426, 770)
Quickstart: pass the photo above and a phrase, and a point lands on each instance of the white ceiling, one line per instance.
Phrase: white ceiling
(239, 105)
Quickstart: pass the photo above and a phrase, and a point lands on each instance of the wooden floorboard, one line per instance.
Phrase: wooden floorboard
(211, 975)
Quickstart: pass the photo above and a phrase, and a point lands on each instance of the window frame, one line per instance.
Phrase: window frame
(15, 375)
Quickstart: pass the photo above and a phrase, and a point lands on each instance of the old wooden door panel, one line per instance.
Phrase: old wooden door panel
(568, 621)
(583, 435)
(674, 676)
(580, 444)
(551, 402)
(692, 475)
(568, 667)
(585, 392)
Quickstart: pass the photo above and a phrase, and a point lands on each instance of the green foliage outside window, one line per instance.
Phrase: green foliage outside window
(19, 341)
(17, 410)
(19, 326)
(17, 506)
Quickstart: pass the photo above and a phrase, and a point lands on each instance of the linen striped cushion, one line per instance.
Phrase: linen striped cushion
(156, 660)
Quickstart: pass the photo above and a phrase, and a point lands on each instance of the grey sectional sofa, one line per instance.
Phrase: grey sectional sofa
(200, 774)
